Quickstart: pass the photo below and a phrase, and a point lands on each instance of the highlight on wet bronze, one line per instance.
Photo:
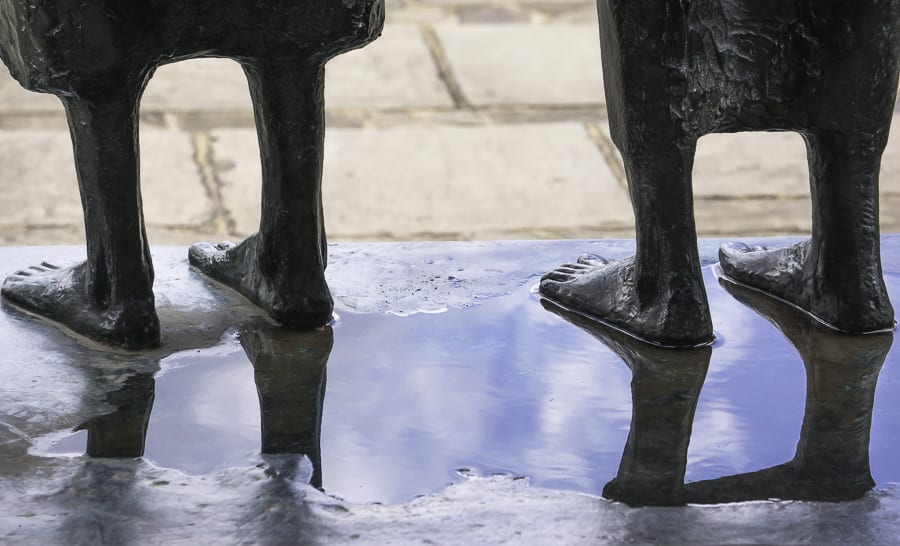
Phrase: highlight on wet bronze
(825, 69)
(97, 58)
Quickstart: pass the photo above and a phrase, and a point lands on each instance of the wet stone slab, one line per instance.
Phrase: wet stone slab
(447, 402)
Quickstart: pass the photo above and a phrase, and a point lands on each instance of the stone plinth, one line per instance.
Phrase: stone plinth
(447, 381)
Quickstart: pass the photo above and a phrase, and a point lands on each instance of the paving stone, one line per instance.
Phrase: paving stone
(394, 71)
(172, 187)
(468, 14)
(890, 161)
(745, 217)
(526, 64)
(37, 179)
(38, 184)
(778, 216)
(406, 182)
(453, 3)
(889, 213)
(59, 235)
(765, 164)
(74, 235)
(198, 85)
(14, 98)
(751, 164)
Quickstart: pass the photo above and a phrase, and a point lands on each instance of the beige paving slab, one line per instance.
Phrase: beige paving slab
(37, 179)
(526, 63)
(460, 180)
(767, 216)
(774, 216)
(30, 235)
(890, 161)
(38, 184)
(751, 164)
(394, 71)
(74, 235)
(771, 164)
(890, 214)
(13, 98)
(510, 2)
(766, 164)
(198, 85)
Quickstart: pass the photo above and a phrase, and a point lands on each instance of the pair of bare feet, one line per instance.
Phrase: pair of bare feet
(68, 295)
(675, 314)
(856, 303)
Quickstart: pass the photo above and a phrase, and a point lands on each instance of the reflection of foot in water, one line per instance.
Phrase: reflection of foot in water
(832, 458)
(123, 432)
(290, 377)
(665, 387)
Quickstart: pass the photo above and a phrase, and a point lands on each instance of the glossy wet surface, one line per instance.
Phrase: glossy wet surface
(442, 360)
(388, 407)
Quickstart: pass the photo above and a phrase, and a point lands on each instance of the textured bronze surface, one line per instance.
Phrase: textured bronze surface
(675, 71)
(97, 57)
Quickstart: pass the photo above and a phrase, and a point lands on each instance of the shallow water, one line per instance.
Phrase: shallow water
(391, 407)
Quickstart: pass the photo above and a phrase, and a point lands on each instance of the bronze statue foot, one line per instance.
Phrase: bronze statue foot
(60, 294)
(606, 291)
(295, 298)
(789, 274)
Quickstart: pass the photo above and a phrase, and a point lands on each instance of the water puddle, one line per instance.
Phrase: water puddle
(386, 407)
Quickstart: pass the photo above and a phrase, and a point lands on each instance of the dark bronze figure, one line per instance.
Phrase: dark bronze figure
(676, 70)
(98, 57)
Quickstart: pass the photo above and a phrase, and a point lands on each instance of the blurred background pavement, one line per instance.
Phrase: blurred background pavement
(467, 120)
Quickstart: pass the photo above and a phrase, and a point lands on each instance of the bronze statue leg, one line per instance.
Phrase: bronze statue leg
(658, 295)
(290, 373)
(282, 267)
(109, 297)
(836, 275)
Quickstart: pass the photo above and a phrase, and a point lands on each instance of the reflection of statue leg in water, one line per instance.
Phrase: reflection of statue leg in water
(665, 387)
(290, 379)
(99, 499)
(122, 433)
(832, 458)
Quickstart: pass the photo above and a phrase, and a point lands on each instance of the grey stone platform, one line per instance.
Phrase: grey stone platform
(447, 384)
